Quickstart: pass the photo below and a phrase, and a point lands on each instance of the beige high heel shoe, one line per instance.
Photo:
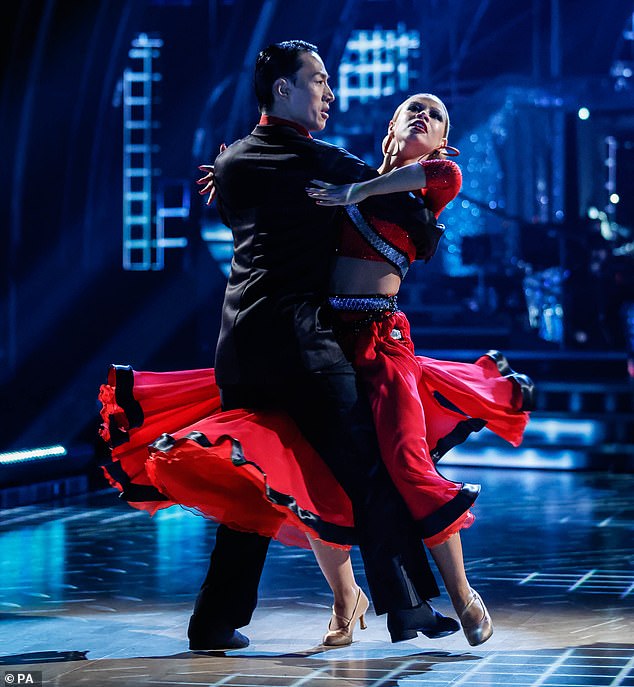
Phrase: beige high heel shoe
(477, 632)
(342, 636)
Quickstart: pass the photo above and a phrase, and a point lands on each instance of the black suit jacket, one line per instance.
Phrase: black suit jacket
(272, 323)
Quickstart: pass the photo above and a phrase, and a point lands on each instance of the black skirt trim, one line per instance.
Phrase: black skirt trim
(460, 432)
(131, 492)
(336, 534)
(523, 382)
(124, 396)
(457, 436)
(450, 511)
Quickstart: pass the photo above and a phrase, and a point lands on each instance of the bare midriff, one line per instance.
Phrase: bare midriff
(359, 277)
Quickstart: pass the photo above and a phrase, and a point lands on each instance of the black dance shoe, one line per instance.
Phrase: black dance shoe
(407, 623)
(524, 382)
(215, 639)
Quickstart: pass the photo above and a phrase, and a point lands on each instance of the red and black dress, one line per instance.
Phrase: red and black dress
(253, 471)
(422, 407)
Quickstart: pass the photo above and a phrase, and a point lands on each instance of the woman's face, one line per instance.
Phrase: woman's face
(419, 127)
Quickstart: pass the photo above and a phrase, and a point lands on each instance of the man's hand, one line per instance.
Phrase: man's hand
(324, 193)
(207, 182)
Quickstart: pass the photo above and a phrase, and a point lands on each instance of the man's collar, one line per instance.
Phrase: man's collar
(266, 120)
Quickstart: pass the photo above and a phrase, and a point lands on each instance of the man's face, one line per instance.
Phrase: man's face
(309, 95)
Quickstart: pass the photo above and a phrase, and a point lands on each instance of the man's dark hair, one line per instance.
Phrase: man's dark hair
(277, 61)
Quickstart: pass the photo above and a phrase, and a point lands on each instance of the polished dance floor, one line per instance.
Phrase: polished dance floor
(95, 593)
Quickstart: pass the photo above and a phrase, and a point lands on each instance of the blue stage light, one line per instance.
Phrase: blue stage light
(528, 458)
(33, 454)
(219, 240)
(556, 431)
(583, 113)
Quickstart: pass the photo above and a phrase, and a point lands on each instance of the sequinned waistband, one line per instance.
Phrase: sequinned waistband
(369, 304)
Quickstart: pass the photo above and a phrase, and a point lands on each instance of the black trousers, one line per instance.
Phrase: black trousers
(333, 413)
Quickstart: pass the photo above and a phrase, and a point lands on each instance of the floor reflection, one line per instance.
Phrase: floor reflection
(92, 592)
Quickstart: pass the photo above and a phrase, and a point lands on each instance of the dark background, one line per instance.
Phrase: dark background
(513, 76)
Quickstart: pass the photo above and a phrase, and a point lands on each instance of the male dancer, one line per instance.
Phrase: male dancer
(276, 348)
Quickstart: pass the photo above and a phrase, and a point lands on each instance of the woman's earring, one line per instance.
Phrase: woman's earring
(447, 151)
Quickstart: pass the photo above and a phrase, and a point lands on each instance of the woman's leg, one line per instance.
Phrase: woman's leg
(350, 603)
(474, 617)
(448, 558)
(336, 567)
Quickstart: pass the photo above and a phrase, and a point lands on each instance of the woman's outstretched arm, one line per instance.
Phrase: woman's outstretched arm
(437, 174)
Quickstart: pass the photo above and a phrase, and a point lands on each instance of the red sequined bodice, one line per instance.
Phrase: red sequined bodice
(444, 179)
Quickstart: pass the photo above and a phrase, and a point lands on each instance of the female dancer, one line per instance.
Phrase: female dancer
(372, 258)
(287, 490)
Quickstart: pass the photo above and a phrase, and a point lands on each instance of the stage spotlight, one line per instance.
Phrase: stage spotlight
(614, 198)
(583, 113)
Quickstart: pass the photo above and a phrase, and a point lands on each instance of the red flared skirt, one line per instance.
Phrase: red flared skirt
(422, 407)
(253, 471)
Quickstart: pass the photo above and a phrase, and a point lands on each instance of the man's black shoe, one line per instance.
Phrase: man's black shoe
(218, 641)
(407, 623)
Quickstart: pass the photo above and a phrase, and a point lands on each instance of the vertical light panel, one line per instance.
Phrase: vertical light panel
(138, 83)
